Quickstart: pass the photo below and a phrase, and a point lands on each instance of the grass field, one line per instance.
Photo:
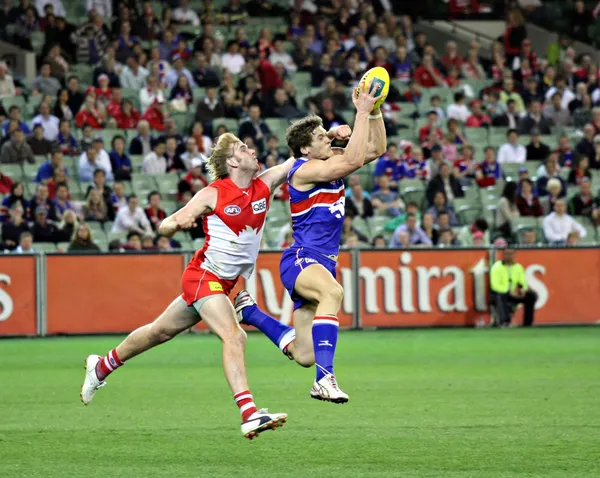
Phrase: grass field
(424, 403)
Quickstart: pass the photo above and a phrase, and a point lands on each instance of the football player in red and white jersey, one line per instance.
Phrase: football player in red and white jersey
(233, 209)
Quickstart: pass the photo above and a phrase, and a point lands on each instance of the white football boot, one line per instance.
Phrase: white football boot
(241, 301)
(328, 390)
(262, 420)
(91, 382)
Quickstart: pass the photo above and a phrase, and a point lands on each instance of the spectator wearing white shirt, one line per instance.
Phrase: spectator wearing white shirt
(512, 152)
(192, 152)
(49, 122)
(558, 225)
(95, 158)
(178, 70)
(560, 87)
(102, 8)
(279, 55)
(25, 244)
(133, 75)
(185, 15)
(57, 8)
(233, 60)
(7, 84)
(155, 161)
(151, 93)
(459, 110)
(131, 219)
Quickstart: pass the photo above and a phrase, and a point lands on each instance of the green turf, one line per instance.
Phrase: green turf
(427, 403)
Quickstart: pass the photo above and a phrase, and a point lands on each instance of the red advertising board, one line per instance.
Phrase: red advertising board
(17, 295)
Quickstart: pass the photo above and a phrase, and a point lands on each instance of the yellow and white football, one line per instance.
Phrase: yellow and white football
(381, 81)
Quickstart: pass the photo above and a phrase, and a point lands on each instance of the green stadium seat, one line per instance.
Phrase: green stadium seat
(63, 246)
(30, 171)
(362, 226)
(13, 171)
(511, 171)
(169, 206)
(278, 126)
(136, 162)
(167, 184)
(111, 236)
(230, 123)
(44, 247)
(143, 184)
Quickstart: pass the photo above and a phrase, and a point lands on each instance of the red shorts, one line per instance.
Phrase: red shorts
(197, 283)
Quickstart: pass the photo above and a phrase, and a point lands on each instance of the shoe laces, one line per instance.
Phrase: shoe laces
(262, 411)
(333, 381)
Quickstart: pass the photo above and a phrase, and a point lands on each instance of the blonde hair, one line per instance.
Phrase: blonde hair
(223, 150)
(554, 183)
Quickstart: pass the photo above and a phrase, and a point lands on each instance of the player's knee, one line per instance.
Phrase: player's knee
(235, 337)
(335, 293)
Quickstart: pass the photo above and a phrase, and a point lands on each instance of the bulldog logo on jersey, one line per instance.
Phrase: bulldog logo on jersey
(232, 210)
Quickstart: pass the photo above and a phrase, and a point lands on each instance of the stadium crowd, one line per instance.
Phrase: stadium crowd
(112, 135)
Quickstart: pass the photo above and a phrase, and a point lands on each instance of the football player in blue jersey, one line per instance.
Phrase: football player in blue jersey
(308, 267)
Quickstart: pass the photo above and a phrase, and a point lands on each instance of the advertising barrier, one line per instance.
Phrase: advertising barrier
(86, 294)
(18, 295)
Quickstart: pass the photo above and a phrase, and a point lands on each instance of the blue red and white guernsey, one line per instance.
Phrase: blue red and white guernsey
(317, 220)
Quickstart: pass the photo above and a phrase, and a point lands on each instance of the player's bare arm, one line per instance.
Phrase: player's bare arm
(277, 175)
(377, 137)
(340, 165)
(202, 203)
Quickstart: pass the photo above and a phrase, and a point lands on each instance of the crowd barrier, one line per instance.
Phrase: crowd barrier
(48, 294)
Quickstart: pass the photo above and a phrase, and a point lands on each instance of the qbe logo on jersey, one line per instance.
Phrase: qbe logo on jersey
(260, 206)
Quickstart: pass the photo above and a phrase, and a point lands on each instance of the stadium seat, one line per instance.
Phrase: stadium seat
(278, 126)
(13, 171)
(44, 247)
(511, 171)
(143, 184)
(167, 184)
(230, 123)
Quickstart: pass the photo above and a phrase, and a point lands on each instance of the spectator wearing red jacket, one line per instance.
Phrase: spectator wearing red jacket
(155, 116)
(452, 58)
(90, 114)
(5, 184)
(194, 181)
(478, 118)
(268, 77)
(462, 7)
(380, 58)
(514, 34)
(413, 94)
(432, 125)
(113, 108)
(527, 202)
(154, 212)
(129, 117)
(103, 92)
(427, 75)
(453, 78)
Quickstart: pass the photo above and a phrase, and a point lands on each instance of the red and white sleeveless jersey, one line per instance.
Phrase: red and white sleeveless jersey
(234, 229)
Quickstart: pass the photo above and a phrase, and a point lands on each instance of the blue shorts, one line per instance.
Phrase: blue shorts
(293, 261)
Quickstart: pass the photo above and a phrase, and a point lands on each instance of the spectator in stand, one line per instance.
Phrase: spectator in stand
(128, 117)
(512, 151)
(428, 226)
(184, 15)
(565, 153)
(536, 150)
(174, 161)
(459, 110)
(17, 196)
(191, 153)
(43, 230)
(384, 199)
(154, 212)
(580, 172)
(103, 91)
(132, 219)
(155, 161)
(95, 209)
(134, 242)
(585, 204)
(588, 146)
(151, 93)
(388, 165)
(120, 162)
(548, 171)
(204, 75)
(279, 55)
(273, 149)
(357, 204)
(233, 60)
(25, 244)
(381, 59)
(82, 240)
(91, 113)
(507, 209)
(133, 75)
(14, 227)
(7, 85)
(440, 205)
(509, 93)
(382, 38)
(17, 150)
(557, 114)
(532, 91)
(455, 135)
(155, 115)
(583, 114)
(535, 120)
(163, 243)
(76, 98)
(471, 67)
(529, 238)
(178, 70)
(49, 122)
(267, 75)
(432, 125)
(561, 87)
(14, 113)
(514, 34)
(47, 170)
(119, 198)
(527, 202)
(477, 118)
(61, 109)
(427, 75)
(434, 163)
(141, 145)
(466, 168)
(553, 194)
(580, 20)
(416, 235)
(445, 182)
(195, 179)
(452, 58)
(255, 127)
(558, 225)
(45, 83)
(38, 144)
(209, 108)
(181, 95)
(92, 160)
(581, 90)
(61, 201)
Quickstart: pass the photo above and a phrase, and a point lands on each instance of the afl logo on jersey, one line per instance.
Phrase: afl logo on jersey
(259, 206)
(232, 210)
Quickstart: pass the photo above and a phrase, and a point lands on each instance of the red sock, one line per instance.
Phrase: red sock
(108, 364)
(245, 401)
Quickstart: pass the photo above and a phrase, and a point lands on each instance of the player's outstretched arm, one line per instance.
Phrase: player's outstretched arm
(202, 203)
(377, 136)
(276, 176)
(340, 165)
